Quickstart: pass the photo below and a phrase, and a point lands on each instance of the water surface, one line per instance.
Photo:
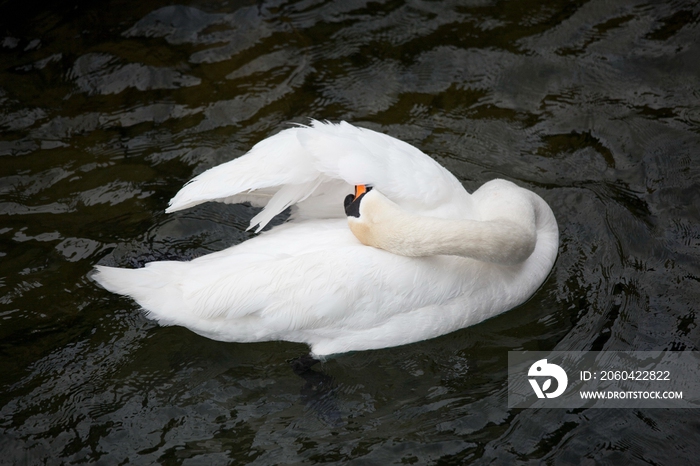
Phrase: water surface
(107, 108)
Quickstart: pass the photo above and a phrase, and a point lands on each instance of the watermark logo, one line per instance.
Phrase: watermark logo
(604, 379)
(542, 369)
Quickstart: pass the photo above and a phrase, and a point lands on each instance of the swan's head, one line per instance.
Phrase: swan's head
(353, 201)
(373, 219)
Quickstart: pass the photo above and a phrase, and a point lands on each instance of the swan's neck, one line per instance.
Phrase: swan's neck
(506, 236)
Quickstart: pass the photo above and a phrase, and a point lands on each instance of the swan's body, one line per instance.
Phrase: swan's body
(456, 259)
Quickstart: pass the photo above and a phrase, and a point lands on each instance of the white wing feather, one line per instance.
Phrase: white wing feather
(314, 167)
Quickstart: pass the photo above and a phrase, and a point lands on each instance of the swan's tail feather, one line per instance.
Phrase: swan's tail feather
(151, 289)
(115, 280)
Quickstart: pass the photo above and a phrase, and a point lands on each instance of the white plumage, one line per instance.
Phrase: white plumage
(311, 280)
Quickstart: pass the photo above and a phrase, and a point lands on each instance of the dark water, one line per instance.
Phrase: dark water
(107, 108)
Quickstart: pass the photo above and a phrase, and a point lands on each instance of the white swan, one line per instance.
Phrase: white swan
(413, 258)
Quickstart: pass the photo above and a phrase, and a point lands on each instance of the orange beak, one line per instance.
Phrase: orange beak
(359, 190)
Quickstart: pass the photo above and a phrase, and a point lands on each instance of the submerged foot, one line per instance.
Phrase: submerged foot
(303, 364)
(318, 393)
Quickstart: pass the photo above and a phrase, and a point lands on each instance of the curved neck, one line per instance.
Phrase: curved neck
(508, 237)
